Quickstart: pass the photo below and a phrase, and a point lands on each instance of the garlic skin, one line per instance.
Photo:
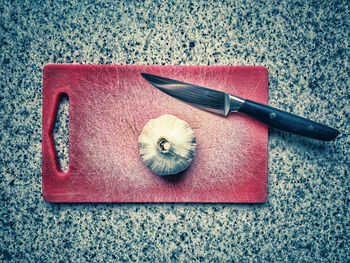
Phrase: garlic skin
(167, 145)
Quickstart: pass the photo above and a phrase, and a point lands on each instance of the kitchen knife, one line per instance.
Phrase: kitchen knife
(222, 103)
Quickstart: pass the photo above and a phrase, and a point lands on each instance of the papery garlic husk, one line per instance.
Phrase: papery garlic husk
(167, 145)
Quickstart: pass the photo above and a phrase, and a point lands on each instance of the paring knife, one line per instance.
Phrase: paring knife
(222, 103)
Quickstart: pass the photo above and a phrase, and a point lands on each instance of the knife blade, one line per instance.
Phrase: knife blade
(223, 104)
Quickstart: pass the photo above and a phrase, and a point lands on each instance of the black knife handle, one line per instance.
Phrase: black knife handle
(285, 121)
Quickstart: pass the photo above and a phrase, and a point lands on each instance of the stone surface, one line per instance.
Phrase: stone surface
(304, 45)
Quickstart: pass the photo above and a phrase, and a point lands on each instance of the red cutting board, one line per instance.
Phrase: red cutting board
(108, 107)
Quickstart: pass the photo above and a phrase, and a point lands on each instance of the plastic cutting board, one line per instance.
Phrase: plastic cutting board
(108, 107)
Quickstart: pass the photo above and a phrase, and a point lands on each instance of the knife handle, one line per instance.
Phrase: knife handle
(285, 121)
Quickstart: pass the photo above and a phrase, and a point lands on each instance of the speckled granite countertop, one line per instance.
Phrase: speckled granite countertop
(304, 45)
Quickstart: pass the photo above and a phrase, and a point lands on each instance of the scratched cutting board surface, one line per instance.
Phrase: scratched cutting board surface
(108, 107)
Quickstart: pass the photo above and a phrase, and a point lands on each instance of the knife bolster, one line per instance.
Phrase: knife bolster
(234, 103)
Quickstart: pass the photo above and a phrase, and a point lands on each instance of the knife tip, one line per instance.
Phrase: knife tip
(149, 77)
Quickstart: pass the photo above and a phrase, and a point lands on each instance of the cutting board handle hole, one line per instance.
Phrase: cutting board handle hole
(60, 132)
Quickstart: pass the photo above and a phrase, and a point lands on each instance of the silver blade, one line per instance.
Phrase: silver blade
(207, 99)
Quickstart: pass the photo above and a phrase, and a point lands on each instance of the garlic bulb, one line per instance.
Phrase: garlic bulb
(167, 145)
